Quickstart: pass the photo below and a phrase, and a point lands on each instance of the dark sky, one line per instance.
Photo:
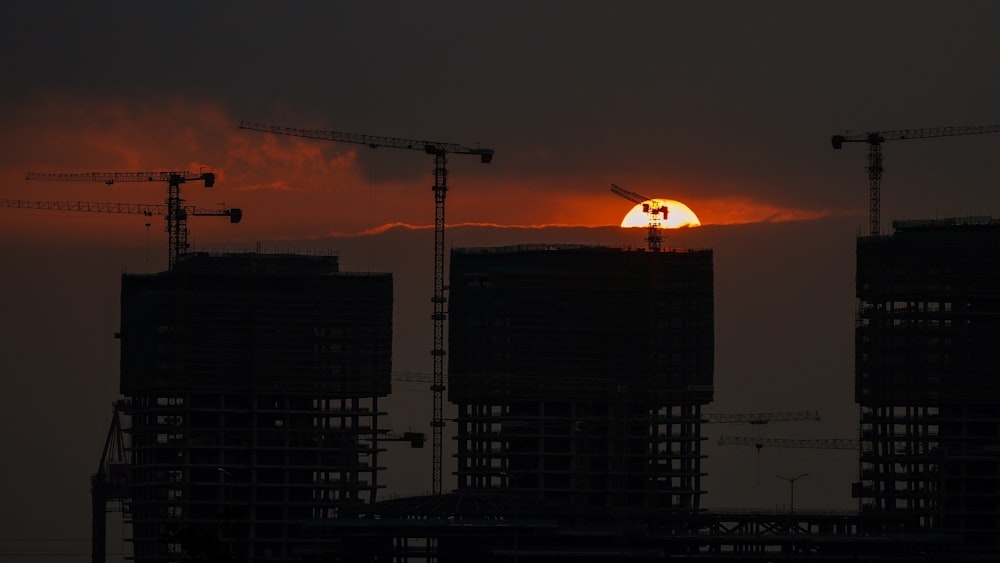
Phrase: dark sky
(725, 106)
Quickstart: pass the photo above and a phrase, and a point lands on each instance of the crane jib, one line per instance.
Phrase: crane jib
(148, 209)
(112, 177)
(372, 141)
(877, 137)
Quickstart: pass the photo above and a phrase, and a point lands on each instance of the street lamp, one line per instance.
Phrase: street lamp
(791, 507)
(791, 489)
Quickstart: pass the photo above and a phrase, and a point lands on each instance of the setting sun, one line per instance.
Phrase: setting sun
(678, 215)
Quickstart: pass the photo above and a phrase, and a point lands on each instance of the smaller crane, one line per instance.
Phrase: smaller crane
(109, 485)
(147, 209)
(176, 213)
(653, 209)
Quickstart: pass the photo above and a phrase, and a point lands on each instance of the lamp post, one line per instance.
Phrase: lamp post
(791, 505)
(791, 489)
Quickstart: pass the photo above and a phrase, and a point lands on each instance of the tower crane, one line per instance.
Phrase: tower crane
(175, 211)
(146, 209)
(108, 484)
(875, 140)
(828, 443)
(440, 150)
(653, 210)
(759, 418)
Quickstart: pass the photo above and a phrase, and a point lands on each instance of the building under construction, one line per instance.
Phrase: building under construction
(579, 374)
(251, 385)
(927, 351)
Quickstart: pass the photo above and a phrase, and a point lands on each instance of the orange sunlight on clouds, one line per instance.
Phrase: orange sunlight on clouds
(738, 210)
(291, 188)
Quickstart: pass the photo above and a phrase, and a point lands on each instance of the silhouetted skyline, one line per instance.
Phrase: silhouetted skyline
(727, 107)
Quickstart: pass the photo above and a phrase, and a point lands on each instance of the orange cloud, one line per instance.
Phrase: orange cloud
(738, 210)
(286, 187)
(291, 188)
(574, 203)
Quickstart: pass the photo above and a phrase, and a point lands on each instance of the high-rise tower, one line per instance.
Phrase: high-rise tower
(580, 372)
(927, 355)
(251, 387)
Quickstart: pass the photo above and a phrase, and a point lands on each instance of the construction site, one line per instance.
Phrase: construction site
(249, 425)
(250, 428)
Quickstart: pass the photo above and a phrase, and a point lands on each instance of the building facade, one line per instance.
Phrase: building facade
(579, 374)
(926, 379)
(251, 387)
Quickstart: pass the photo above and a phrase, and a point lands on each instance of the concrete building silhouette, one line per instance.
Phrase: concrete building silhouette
(927, 351)
(579, 374)
(251, 387)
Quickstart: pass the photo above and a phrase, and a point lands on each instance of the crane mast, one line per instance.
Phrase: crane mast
(653, 210)
(875, 140)
(177, 230)
(440, 150)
